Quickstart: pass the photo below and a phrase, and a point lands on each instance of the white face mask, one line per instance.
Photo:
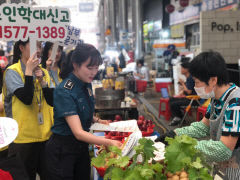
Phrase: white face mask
(202, 93)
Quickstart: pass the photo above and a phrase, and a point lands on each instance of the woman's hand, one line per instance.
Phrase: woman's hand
(49, 64)
(116, 143)
(31, 64)
(104, 121)
(39, 74)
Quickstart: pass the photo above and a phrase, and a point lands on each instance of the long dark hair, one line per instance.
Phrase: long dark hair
(47, 47)
(78, 56)
(16, 50)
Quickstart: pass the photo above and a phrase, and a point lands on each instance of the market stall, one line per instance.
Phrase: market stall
(111, 98)
(146, 159)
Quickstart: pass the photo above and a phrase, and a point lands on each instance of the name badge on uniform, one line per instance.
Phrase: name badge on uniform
(69, 84)
(89, 91)
(40, 118)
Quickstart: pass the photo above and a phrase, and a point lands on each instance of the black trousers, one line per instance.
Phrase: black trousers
(176, 104)
(67, 159)
(32, 156)
(3, 154)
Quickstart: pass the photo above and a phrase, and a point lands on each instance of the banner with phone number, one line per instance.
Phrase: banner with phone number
(20, 21)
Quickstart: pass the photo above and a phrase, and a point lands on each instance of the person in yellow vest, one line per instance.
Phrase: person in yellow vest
(27, 99)
(47, 62)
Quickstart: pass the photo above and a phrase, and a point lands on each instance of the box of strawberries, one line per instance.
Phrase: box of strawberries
(144, 125)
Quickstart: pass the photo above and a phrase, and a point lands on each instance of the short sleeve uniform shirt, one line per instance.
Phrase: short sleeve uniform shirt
(72, 97)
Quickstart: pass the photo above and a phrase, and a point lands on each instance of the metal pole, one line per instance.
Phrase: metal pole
(112, 22)
(138, 20)
(123, 15)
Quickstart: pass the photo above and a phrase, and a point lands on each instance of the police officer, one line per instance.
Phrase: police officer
(67, 150)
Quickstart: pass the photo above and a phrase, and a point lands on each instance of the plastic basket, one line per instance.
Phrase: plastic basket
(141, 85)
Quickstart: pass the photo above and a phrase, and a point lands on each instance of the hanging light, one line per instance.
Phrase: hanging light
(169, 8)
(184, 3)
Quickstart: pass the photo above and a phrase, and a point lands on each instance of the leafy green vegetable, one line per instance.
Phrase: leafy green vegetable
(119, 162)
(181, 153)
(115, 173)
(99, 161)
(145, 149)
(115, 150)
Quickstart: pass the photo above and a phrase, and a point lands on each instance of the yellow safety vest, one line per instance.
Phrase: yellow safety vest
(59, 79)
(27, 115)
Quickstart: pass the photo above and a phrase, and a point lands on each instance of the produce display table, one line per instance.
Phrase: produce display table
(95, 173)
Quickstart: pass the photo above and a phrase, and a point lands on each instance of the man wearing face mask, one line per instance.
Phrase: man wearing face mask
(222, 121)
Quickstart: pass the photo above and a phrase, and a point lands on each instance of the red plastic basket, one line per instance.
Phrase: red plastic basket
(100, 170)
(141, 85)
(147, 133)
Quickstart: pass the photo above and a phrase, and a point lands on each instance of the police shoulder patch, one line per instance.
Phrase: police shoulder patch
(69, 84)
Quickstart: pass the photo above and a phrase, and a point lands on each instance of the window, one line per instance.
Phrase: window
(193, 34)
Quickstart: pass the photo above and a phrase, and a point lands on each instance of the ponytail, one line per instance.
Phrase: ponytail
(67, 66)
(78, 56)
(16, 50)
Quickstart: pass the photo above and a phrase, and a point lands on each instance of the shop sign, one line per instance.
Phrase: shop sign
(225, 27)
(169, 8)
(208, 5)
(184, 3)
(21, 21)
(72, 38)
(177, 31)
(86, 7)
(189, 13)
(157, 25)
(145, 30)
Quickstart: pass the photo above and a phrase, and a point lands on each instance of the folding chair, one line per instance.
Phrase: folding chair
(187, 109)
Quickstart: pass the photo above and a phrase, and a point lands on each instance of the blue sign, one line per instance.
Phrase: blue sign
(189, 13)
(86, 7)
(208, 5)
(192, 12)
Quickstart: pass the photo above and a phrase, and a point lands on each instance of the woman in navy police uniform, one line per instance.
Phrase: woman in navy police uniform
(67, 149)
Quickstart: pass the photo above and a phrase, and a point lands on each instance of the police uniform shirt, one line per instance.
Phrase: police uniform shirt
(72, 97)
